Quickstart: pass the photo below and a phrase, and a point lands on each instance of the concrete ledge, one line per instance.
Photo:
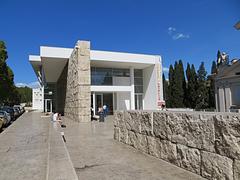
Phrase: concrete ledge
(60, 166)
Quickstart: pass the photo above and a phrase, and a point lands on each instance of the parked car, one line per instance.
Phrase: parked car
(5, 117)
(8, 110)
(16, 112)
(22, 110)
(1, 124)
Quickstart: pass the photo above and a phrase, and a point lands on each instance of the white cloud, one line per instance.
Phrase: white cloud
(172, 31)
(31, 85)
(180, 36)
(165, 69)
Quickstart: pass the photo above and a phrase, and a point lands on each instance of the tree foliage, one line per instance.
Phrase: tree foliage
(8, 92)
(25, 94)
(190, 89)
(177, 86)
(202, 90)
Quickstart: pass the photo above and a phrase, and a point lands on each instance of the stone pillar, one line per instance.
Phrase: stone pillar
(221, 99)
(78, 92)
(227, 98)
(132, 88)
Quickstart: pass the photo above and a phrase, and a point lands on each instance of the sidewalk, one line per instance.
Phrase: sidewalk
(96, 156)
(33, 149)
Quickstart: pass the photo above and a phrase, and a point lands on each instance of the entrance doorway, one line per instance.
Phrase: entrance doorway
(138, 102)
(48, 105)
(102, 99)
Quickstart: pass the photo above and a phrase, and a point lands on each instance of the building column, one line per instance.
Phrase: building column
(94, 103)
(221, 99)
(227, 99)
(132, 88)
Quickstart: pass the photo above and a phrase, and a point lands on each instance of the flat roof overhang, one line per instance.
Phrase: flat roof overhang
(122, 60)
(36, 64)
(52, 60)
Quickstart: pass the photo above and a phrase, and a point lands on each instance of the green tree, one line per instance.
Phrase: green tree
(178, 85)
(212, 86)
(202, 91)
(169, 102)
(191, 86)
(25, 94)
(214, 68)
(183, 83)
(8, 93)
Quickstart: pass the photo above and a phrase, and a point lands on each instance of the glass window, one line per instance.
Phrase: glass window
(103, 71)
(103, 76)
(138, 73)
(101, 80)
(121, 72)
(138, 81)
(138, 89)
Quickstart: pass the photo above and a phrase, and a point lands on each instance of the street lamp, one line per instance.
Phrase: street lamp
(237, 26)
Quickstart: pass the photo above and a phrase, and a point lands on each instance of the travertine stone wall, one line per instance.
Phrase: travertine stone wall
(207, 144)
(78, 92)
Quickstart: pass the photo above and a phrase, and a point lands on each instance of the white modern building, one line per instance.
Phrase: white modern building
(76, 79)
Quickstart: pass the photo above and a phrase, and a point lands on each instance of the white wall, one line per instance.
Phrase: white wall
(123, 100)
(37, 99)
(150, 88)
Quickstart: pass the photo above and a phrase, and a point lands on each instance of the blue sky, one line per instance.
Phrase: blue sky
(191, 30)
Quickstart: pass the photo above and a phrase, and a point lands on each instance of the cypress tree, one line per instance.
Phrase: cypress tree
(191, 86)
(178, 91)
(183, 81)
(212, 86)
(202, 91)
(188, 90)
(214, 68)
(169, 101)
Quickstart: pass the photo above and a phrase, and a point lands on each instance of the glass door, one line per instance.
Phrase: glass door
(138, 102)
(99, 102)
(48, 105)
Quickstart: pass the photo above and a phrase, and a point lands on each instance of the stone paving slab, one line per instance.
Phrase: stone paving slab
(32, 149)
(24, 148)
(95, 155)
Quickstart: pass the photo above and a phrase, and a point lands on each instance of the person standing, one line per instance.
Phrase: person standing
(101, 114)
(105, 110)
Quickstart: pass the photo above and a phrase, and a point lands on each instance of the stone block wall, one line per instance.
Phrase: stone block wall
(207, 144)
(78, 92)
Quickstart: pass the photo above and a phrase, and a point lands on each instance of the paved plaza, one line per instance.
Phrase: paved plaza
(95, 155)
(32, 148)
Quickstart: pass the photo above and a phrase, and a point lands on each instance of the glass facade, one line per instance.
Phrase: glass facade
(104, 76)
(138, 80)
